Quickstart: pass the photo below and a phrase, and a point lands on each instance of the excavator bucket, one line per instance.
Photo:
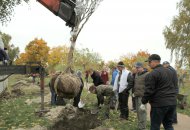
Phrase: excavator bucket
(62, 8)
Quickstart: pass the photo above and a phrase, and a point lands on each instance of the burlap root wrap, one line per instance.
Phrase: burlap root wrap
(67, 85)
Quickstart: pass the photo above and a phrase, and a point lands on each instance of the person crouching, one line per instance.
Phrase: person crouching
(101, 91)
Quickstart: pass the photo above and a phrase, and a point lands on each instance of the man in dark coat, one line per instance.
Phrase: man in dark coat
(175, 81)
(160, 92)
(97, 80)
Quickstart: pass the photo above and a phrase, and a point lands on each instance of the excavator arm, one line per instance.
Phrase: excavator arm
(63, 9)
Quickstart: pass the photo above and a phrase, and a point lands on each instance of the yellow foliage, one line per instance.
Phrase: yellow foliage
(130, 59)
(36, 51)
(58, 55)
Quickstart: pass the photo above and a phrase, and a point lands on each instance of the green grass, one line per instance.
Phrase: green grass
(114, 121)
(16, 113)
(185, 90)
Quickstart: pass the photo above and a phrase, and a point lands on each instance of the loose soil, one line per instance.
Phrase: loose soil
(83, 121)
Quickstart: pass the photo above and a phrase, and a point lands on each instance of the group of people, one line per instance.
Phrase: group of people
(158, 87)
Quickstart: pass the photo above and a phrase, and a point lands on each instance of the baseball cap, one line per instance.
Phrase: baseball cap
(153, 57)
(138, 64)
(165, 63)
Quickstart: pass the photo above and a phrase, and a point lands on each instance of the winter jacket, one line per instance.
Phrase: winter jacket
(105, 77)
(97, 80)
(159, 88)
(104, 90)
(114, 74)
(139, 84)
(121, 85)
(175, 78)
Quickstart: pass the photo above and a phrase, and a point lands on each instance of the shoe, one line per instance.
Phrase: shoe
(106, 116)
(134, 111)
(122, 117)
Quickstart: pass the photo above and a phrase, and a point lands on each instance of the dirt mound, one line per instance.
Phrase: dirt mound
(14, 93)
(33, 128)
(83, 121)
(19, 84)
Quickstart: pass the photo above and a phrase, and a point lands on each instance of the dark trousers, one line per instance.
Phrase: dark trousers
(77, 98)
(162, 115)
(175, 117)
(133, 103)
(53, 95)
(100, 100)
(123, 104)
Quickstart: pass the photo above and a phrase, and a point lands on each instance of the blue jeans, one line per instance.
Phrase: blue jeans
(162, 115)
(53, 96)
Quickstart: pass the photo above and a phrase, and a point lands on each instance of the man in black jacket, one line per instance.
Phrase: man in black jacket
(97, 80)
(175, 81)
(160, 92)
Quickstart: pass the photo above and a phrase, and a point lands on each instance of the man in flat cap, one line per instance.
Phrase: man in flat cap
(120, 85)
(175, 81)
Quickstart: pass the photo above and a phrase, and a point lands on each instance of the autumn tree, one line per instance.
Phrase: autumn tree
(112, 64)
(86, 59)
(12, 50)
(177, 35)
(57, 56)
(36, 51)
(130, 59)
(7, 9)
(23, 58)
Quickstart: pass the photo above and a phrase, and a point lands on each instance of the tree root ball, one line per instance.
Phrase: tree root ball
(67, 85)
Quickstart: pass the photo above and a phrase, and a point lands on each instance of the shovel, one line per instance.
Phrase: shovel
(81, 104)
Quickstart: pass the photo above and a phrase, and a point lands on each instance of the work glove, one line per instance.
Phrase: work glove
(142, 107)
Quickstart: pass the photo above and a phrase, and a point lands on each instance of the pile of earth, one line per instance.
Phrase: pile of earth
(71, 118)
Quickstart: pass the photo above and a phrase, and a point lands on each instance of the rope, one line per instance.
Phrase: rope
(1, 80)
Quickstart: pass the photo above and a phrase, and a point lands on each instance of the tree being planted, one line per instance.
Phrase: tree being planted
(75, 13)
(83, 10)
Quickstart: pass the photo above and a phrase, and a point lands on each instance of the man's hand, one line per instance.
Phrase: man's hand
(142, 107)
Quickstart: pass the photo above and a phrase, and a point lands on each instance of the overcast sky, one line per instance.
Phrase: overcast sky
(117, 27)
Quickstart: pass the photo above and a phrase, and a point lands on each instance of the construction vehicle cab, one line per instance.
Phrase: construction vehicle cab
(62, 8)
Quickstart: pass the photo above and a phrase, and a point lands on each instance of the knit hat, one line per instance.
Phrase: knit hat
(120, 64)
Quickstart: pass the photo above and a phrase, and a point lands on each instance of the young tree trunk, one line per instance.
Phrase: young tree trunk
(71, 51)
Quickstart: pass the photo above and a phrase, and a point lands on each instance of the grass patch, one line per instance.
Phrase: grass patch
(16, 113)
(114, 121)
(185, 90)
